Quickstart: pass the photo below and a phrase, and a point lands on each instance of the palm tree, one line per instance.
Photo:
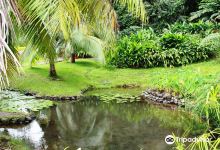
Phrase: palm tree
(81, 41)
(44, 20)
(8, 60)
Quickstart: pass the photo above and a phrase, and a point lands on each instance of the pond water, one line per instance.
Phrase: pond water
(94, 125)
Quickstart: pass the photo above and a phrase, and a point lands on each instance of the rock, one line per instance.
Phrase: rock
(165, 102)
(160, 98)
(175, 101)
(167, 96)
(182, 100)
(27, 122)
(28, 118)
(62, 98)
(38, 97)
(146, 93)
(28, 94)
(160, 95)
(179, 103)
(13, 121)
(149, 91)
(4, 121)
(21, 119)
(160, 101)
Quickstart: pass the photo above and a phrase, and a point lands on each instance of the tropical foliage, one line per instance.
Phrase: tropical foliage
(202, 28)
(208, 10)
(145, 49)
(8, 59)
(128, 34)
(43, 21)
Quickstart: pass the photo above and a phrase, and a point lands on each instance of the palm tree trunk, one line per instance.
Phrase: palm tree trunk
(53, 72)
(73, 58)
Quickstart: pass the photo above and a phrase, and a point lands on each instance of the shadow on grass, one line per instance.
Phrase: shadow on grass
(45, 72)
(88, 64)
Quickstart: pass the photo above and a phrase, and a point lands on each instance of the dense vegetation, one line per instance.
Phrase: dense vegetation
(173, 45)
(145, 49)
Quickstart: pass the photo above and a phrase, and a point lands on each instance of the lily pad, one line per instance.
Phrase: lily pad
(16, 102)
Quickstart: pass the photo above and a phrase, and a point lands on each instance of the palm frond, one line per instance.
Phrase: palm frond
(46, 19)
(7, 56)
(135, 6)
(62, 15)
(87, 43)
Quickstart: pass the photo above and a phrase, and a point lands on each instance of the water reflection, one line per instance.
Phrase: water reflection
(99, 126)
(32, 133)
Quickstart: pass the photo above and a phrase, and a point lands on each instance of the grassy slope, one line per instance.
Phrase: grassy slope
(75, 77)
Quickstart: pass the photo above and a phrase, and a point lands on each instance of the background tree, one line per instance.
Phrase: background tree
(208, 10)
(97, 17)
(55, 16)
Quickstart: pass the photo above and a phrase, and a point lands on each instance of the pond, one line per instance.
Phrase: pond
(93, 125)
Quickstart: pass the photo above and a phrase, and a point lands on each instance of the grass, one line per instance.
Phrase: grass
(192, 82)
(75, 77)
(8, 143)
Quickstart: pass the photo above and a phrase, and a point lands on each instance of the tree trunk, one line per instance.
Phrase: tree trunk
(53, 72)
(73, 58)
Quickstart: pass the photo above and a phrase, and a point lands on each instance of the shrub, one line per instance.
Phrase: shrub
(170, 40)
(130, 30)
(162, 12)
(208, 10)
(125, 18)
(200, 27)
(135, 51)
(144, 50)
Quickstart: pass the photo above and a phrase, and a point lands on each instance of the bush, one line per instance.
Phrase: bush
(130, 30)
(203, 28)
(125, 18)
(163, 12)
(135, 51)
(208, 10)
(145, 50)
(170, 40)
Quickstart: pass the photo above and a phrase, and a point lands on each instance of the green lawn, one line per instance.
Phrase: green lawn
(191, 80)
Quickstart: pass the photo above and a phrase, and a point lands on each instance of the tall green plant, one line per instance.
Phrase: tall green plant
(145, 49)
(206, 143)
(59, 16)
(7, 56)
(208, 10)
(210, 107)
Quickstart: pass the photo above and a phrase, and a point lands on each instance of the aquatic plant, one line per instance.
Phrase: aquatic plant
(15, 102)
(210, 107)
(205, 142)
